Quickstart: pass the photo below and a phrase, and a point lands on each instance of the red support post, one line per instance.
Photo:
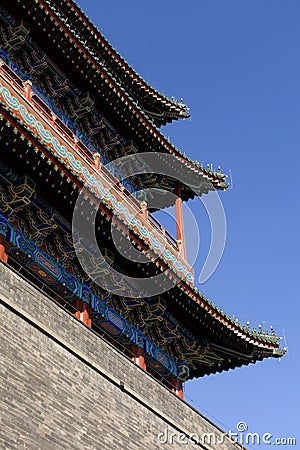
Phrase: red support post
(144, 209)
(27, 89)
(83, 312)
(138, 356)
(4, 246)
(176, 386)
(179, 220)
(97, 161)
(53, 118)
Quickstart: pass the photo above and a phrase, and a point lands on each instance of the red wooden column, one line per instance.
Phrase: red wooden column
(4, 246)
(97, 161)
(83, 312)
(179, 220)
(176, 386)
(144, 209)
(27, 89)
(138, 356)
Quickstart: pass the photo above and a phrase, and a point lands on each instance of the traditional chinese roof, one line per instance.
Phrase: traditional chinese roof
(50, 23)
(155, 104)
(71, 19)
(43, 165)
(186, 324)
(209, 340)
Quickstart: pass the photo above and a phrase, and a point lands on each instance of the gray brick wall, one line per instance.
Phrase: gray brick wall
(62, 385)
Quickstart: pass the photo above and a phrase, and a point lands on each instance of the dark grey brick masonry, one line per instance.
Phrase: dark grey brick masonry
(62, 385)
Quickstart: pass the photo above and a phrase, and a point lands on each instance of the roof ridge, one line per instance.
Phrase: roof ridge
(215, 176)
(97, 34)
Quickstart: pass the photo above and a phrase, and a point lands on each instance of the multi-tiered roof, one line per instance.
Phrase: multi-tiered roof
(66, 97)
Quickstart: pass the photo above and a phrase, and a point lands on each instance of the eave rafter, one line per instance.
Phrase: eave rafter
(169, 108)
(97, 77)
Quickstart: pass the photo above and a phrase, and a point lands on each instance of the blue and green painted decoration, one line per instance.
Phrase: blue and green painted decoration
(27, 253)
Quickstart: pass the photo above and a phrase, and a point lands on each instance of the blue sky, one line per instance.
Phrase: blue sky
(236, 64)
